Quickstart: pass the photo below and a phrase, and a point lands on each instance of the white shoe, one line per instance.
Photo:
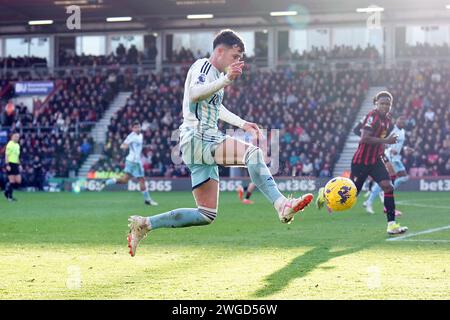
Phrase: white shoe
(365, 204)
(291, 206)
(369, 209)
(138, 231)
(151, 202)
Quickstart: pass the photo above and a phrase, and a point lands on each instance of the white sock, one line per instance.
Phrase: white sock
(279, 202)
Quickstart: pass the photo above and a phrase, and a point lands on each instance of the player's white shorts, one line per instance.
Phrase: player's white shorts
(134, 169)
(397, 163)
(398, 166)
(197, 149)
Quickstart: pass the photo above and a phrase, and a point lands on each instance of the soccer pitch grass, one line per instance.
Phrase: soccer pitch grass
(73, 246)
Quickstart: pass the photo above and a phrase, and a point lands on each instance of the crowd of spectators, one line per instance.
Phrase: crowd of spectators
(55, 136)
(423, 50)
(121, 56)
(82, 98)
(22, 62)
(337, 52)
(155, 102)
(47, 152)
(423, 96)
(312, 110)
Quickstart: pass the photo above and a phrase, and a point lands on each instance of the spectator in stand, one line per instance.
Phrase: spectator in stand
(335, 53)
(423, 50)
(132, 55)
(38, 176)
(22, 62)
(121, 50)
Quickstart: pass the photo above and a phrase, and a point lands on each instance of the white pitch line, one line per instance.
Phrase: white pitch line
(419, 233)
(426, 240)
(421, 205)
(421, 200)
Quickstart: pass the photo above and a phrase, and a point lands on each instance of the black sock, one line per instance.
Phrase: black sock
(370, 185)
(13, 186)
(389, 204)
(8, 189)
(248, 195)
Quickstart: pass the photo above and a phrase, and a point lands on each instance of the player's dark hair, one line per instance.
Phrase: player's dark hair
(382, 94)
(136, 123)
(228, 38)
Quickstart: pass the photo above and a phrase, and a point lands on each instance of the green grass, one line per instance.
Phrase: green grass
(48, 241)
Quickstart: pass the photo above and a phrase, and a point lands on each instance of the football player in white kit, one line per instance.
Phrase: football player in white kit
(204, 147)
(133, 163)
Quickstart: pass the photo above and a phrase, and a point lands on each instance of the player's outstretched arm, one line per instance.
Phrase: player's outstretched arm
(200, 92)
(231, 118)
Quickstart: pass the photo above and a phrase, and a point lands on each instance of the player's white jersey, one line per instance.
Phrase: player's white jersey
(135, 143)
(400, 133)
(203, 114)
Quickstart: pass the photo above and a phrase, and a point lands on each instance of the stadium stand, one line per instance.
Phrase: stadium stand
(422, 95)
(310, 141)
(320, 106)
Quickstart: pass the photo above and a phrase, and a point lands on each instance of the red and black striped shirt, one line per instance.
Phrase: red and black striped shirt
(380, 127)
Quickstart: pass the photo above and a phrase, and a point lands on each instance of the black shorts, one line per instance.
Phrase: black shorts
(377, 171)
(14, 169)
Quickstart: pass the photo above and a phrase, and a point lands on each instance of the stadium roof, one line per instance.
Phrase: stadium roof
(152, 12)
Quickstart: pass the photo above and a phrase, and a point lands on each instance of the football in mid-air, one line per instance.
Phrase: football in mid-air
(340, 194)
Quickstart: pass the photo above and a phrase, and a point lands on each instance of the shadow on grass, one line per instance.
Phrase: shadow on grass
(300, 267)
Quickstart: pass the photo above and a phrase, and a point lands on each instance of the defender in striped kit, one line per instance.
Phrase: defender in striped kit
(204, 147)
(368, 159)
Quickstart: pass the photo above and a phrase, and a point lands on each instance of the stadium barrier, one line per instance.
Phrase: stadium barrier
(285, 184)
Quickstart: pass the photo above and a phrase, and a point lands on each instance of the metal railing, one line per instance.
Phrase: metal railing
(77, 128)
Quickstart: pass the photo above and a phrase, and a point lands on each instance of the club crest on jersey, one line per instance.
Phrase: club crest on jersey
(201, 78)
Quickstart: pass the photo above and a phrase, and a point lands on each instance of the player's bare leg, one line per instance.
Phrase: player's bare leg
(235, 152)
(122, 180)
